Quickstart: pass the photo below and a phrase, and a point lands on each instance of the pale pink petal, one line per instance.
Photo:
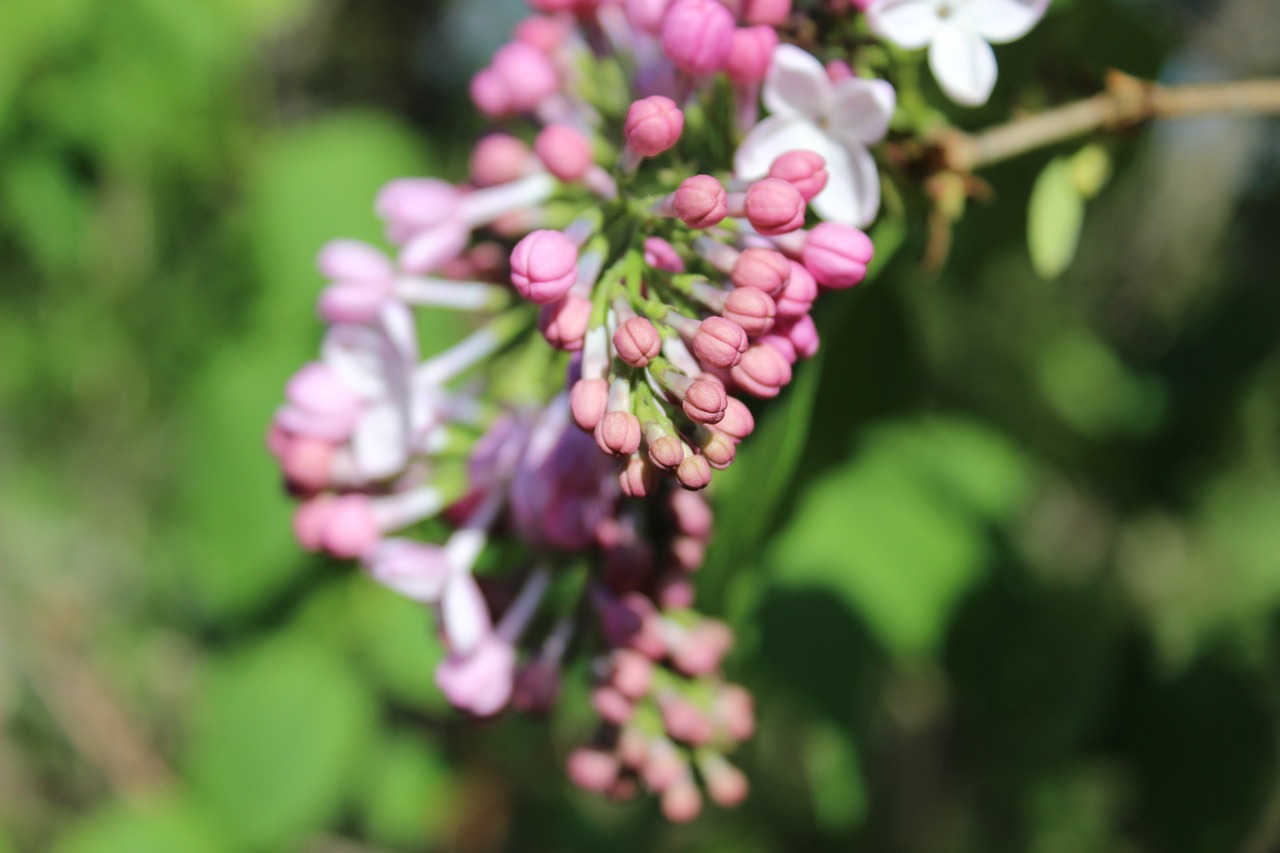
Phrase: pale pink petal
(1001, 21)
(464, 614)
(359, 356)
(906, 23)
(861, 110)
(416, 570)
(774, 136)
(379, 442)
(797, 85)
(852, 194)
(963, 64)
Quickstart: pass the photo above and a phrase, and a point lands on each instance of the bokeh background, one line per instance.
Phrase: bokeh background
(1004, 562)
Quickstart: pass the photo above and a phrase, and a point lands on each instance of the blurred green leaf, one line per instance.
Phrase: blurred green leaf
(397, 642)
(901, 530)
(46, 208)
(840, 796)
(1091, 169)
(1054, 217)
(170, 825)
(408, 796)
(281, 729)
(1092, 390)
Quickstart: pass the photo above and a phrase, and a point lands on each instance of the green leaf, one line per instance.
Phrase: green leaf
(166, 825)
(280, 732)
(840, 795)
(408, 790)
(398, 644)
(1054, 218)
(900, 531)
(1091, 170)
(1087, 385)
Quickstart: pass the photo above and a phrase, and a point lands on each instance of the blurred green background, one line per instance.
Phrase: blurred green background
(1004, 563)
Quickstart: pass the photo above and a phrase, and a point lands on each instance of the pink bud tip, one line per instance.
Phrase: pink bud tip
(639, 478)
(564, 150)
(637, 342)
(762, 372)
(804, 170)
(661, 255)
(697, 35)
(720, 342)
(612, 705)
(727, 785)
(618, 433)
(694, 473)
(689, 551)
(774, 207)
(653, 125)
(632, 673)
(763, 269)
(797, 297)
(683, 721)
(701, 201)
(771, 12)
(752, 309)
(497, 159)
(592, 769)
(489, 93)
(705, 401)
(350, 528)
(750, 55)
(738, 422)
(564, 322)
(353, 302)
(692, 513)
(803, 335)
(545, 34)
(309, 521)
(837, 255)
(735, 712)
(544, 265)
(719, 449)
(308, 463)
(681, 802)
(587, 401)
(526, 74)
(354, 261)
(666, 452)
(647, 15)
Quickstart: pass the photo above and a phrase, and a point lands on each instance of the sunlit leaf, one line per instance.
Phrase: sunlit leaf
(1054, 217)
(167, 825)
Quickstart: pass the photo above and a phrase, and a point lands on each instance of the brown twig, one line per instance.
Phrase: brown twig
(1127, 101)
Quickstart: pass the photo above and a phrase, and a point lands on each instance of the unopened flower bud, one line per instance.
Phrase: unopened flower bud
(837, 255)
(697, 35)
(564, 150)
(701, 201)
(737, 422)
(797, 297)
(544, 265)
(647, 15)
(774, 207)
(618, 433)
(705, 401)
(353, 260)
(526, 73)
(653, 125)
(763, 269)
(592, 769)
(661, 255)
(639, 478)
(804, 170)
(762, 372)
(587, 401)
(803, 335)
(771, 12)
(632, 673)
(726, 784)
(693, 473)
(666, 452)
(564, 322)
(719, 449)
(350, 527)
(612, 705)
(719, 342)
(637, 342)
(498, 158)
(750, 54)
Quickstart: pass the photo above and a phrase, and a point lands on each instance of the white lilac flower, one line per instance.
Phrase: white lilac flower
(837, 120)
(959, 35)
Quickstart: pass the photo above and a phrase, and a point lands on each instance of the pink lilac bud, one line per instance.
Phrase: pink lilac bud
(618, 433)
(726, 784)
(354, 302)
(837, 255)
(319, 404)
(803, 335)
(774, 207)
(797, 297)
(734, 711)
(526, 73)
(701, 649)
(720, 342)
(564, 322)
(737, 422)
(666, 452)
(804, 170)
(546, 34)
(639, 478)
(838, 69)
(308, 463)
(701, 201)
(719, 449)
(762, 372)
(354, 261)
(752, 309)
(771, 12)
(587, 400)
(544, 265)
(309, 521)
(592, 769)
(781, 344)
(637, 342)
(674, 592)
(663, 765)
(694, 473)
(750, 55)
(632, 673)
(350, 527)
(762, 269)
(692, 514)
(564, 150)
(633, 747)
(612, 705)
(653, 125)
(661, 255)
(489, 93)
(689, 551)
(683, 721)
(697, 35)
(647, 15)
(705, 401)
(412, 205)
(497, 159)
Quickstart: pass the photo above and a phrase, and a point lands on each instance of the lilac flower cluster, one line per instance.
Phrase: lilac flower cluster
(609, 216)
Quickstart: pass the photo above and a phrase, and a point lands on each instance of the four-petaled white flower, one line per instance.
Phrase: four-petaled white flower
(959, 34)
(836, 120)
